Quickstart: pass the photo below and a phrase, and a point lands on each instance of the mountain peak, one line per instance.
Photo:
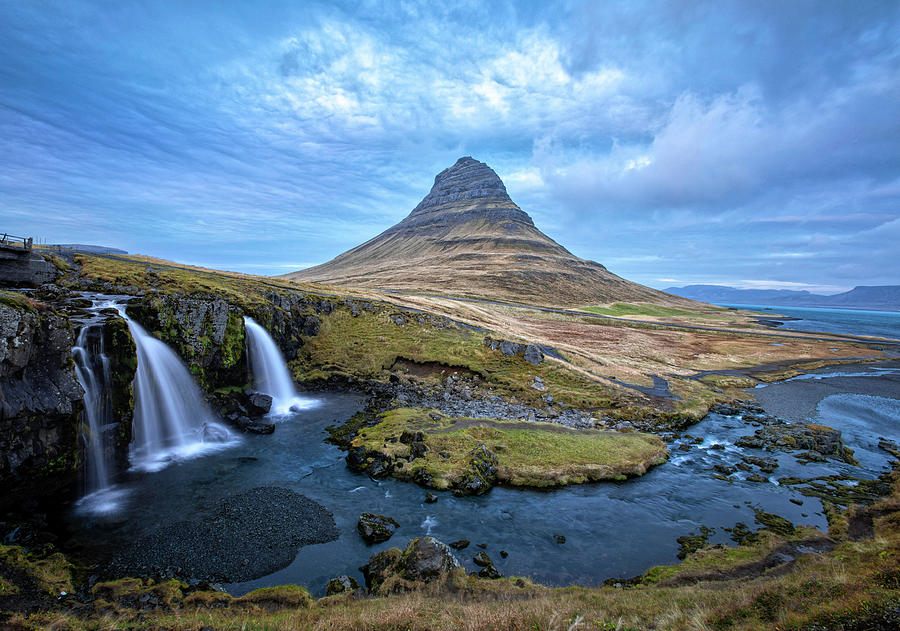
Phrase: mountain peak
(466, 189)
(468, 238)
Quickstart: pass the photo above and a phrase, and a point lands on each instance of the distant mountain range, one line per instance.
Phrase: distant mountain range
(468, 238)
(879, 298)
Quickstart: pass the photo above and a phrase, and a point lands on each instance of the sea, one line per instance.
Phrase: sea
(828, 320)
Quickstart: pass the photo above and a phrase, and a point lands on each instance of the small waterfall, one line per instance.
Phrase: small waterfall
(171, 419)
(92, 371)
(270, 372)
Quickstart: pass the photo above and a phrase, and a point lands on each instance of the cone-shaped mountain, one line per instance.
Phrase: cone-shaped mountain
(468, 238)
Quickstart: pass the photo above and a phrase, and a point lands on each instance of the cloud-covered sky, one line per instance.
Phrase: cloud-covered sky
(754, 143)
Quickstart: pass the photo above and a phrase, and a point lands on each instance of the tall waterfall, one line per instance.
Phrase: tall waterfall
(270, 372)
(92, 371)
(171, 419)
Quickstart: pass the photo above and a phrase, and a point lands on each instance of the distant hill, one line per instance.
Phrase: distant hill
(468, 238)
(880, 298)
(92, 249)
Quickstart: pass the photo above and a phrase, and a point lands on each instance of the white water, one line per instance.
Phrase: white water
(270, 372)
(92, 371)
(171, 419)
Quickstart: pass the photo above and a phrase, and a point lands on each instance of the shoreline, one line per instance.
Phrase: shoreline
(797, 399)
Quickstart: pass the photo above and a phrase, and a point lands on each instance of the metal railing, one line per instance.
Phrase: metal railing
(14, 242)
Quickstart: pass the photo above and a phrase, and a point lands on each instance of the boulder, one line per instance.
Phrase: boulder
(376, 528)
(259, 403)
(424, 561)
(341, 585)
(533, 354)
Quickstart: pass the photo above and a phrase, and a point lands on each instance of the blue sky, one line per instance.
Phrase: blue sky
(754, 143)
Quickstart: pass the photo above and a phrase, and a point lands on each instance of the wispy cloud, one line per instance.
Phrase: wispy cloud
(752, 140)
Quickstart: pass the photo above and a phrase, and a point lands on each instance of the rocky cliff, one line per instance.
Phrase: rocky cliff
(40, 399)
(468, 238)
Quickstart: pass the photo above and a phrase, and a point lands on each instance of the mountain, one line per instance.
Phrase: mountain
(468, 238)
(880, 297)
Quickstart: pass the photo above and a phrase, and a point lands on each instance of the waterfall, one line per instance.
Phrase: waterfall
(171, 419)
(92, 371)
(270, 372)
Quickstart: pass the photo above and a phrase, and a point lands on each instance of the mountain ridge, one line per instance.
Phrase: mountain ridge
(877, 297)
(467, 237)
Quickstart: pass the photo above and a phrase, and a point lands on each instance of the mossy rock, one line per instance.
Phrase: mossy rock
(52, 573)
(278, 597)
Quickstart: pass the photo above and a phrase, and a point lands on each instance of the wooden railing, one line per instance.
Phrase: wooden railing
(14, 242)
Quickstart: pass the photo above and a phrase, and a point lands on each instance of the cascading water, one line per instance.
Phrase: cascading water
(92, 371)
(270, 372)
(171, 419)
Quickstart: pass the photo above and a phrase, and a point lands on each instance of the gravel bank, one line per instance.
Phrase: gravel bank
(249, 535)
(797, 400)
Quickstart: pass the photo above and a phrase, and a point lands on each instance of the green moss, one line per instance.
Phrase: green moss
(279, 596)
(128, 592)
(8, 588)
(52, 572)
(231, 351)
(532, 454)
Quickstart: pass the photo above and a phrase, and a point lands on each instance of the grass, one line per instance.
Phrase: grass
(543, 455)
(368, 346)
(660, 311)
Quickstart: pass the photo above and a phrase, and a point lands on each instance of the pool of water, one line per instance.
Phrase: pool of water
(611, 529)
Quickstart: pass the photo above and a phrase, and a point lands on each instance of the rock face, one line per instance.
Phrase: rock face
(40, 400)
(468, 238)
(25, 268)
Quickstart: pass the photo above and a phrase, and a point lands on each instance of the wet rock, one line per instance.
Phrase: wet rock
(766, 465)
(755, 477)
(425, 560)
(775, 523)
(430, 498)
(724, 469)
(490, 572)
(341, 585)
(259, 403)
(482, 559)
(560, 539)
(503, 554)
(375, 528)
(462, 544)
(809, 437)
(481, 475)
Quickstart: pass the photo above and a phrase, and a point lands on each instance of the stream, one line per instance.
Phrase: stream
(610, 529)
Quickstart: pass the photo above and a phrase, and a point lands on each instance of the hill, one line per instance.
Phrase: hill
(468, 238)
(882, 297)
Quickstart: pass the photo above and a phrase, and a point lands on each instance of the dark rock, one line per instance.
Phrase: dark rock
(462, 544)
(503, 554)
(533, 354)
(511, 349)
(310, 326)
(560, 539)
(340, 585)
(259, 403)
(766, 465)
(724, 469)
(482, 559)
(789, 437)
(481, 475)
(490, 572)
(430, 498)
(755, 477)
(425, 560)
(375, 528)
